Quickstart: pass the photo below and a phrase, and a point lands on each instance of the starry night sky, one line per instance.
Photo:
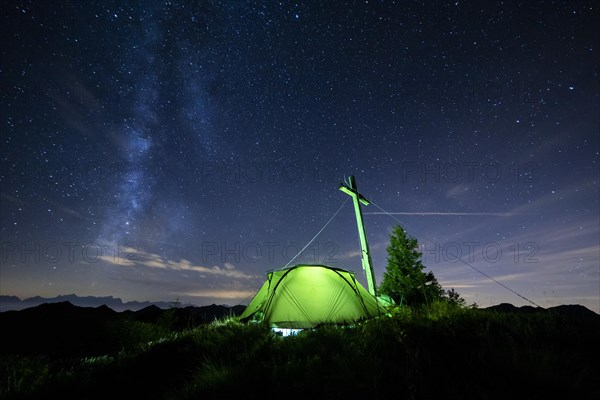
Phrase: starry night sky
(164, 150)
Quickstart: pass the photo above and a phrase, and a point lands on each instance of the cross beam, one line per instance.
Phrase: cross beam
(349, 187)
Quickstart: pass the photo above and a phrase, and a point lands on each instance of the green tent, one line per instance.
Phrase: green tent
(306, 296)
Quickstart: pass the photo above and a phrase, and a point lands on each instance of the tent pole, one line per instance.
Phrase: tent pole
(349, 187)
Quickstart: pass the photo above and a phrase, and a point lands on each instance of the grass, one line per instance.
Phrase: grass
(438, 351)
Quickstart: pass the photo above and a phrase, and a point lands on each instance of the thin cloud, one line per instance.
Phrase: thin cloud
(457, 191)
(155, 261)
(568, 192)
(352, 254)
(457, 284)
(12, 199)
(358, 252)
(221, 294)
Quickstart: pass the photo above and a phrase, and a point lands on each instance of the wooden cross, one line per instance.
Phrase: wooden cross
(349, 187)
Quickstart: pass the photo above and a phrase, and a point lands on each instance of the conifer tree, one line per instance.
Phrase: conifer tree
(404, 280)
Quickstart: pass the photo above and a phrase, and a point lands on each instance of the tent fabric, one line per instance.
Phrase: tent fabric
(306, 296)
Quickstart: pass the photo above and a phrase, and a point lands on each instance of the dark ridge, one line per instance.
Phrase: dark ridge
(148, 314)
(506, 307)
(503, 307)
(10, 303)
(575, 310)
(71, 331)
(56, 328)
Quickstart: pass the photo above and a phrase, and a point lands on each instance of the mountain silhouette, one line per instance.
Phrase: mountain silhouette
(575, 310)
(10, 303)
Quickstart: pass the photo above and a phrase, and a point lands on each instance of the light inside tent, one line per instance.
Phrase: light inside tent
(285, 331)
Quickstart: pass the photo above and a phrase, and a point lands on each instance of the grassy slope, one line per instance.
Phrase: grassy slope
(442, 351)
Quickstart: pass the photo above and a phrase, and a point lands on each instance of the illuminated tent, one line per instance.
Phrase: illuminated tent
(306, 296)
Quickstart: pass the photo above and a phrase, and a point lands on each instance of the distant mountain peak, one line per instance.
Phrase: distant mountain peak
(572, 309)
(8, 303)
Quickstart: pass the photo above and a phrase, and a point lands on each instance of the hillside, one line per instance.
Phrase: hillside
(440, 351)
(86, 331)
